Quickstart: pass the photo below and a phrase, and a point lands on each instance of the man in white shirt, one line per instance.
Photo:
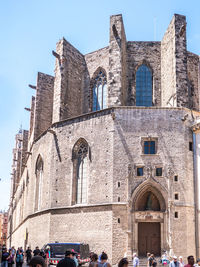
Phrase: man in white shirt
(135, 260)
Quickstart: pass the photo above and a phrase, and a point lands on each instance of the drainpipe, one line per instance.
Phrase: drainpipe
(196, 190)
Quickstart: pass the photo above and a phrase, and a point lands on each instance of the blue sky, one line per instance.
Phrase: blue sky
(30, 29)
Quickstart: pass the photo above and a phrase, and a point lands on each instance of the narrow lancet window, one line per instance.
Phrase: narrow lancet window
(38, 183)
(80, 166)
(100, 92)
(144, 86)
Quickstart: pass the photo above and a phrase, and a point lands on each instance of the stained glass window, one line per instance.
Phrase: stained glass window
(100, 93)
(143, 86)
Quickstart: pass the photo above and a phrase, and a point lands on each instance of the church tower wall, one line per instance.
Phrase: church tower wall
(193, 72)
(71, 88)
(117, 86)
(174, 64)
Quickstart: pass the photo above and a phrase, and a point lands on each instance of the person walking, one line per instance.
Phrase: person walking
(135, 260)
(68, 260)
(28, 255)
(190, 261)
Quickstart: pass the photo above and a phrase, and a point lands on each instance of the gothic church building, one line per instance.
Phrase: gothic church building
(112, 156)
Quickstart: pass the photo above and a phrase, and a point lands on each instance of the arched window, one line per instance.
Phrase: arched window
(99, 91)
(39, 182)
(80, 166)
(144, 86)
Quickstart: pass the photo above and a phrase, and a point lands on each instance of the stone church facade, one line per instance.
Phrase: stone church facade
(112, 154)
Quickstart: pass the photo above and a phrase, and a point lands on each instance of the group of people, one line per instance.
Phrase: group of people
(13, 256)
(39, 258)
(164, 261)
(70, 260)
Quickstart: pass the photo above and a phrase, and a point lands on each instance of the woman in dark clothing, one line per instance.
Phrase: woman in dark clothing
(94, 260)
(19, 258)
(10, 258)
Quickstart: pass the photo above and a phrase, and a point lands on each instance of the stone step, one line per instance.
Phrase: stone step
(143, 262)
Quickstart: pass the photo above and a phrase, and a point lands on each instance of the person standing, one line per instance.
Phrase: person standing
(135, 260)
(181, 263)
(13, 251)
(19, 258)
(174, 262)
(36, 251)
(74, 257)
(152, 261)
(28, 255)
(190, 261)
(48, 255)
(10, 258)
(148, 256)
(68, 260)
(94, 260)
(5, 255)
(104, 261)
(164, 260)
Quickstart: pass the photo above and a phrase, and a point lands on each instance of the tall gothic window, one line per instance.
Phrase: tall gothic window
(38, 183)
(80, 166)
(100, 92)
(144, 86)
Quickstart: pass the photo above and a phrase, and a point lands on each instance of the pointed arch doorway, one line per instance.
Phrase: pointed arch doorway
(149, 220)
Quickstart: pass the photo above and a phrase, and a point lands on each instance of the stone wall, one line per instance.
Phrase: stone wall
(43, 103)
(38, 232)
(173, 155)
(90, 225)
(193, 71)
(114, 138)
(168, 67)
(181, 60)
(117, 83)
(174, 64)
(71, 87)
